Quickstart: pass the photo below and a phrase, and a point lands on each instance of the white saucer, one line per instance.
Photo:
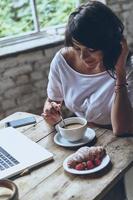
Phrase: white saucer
(89, 136)
(103, 164)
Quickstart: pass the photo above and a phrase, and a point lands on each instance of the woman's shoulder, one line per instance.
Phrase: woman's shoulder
(63, 57)
(67, 53)
(57, 58)
(69, 56)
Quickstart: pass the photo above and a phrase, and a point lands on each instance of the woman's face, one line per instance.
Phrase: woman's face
(90, 57)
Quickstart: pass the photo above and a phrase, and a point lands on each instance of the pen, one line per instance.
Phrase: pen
(25, 172)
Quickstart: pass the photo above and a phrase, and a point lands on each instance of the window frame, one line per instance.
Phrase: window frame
(37, 33)
(42, 37)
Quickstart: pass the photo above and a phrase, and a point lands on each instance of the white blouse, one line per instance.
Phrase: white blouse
(88, 96)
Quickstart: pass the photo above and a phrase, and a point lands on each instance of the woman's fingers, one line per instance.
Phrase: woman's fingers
(51, 119)
(51, 112)
(52, 108)
(56, 106)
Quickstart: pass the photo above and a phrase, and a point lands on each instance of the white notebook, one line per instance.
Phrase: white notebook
(17, 153)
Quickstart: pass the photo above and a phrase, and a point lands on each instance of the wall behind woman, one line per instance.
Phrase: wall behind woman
(124, 10)
(24, 76)
(23, 81)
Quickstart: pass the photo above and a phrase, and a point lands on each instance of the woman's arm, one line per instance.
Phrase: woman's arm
(122, 113)
(51, 111)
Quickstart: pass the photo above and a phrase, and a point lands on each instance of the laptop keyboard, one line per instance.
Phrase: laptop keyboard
(6, 160)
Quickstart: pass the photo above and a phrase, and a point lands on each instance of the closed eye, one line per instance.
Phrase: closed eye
(88, 49)
(92, 50)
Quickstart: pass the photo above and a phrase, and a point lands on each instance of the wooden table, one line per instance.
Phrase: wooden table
(51, 182)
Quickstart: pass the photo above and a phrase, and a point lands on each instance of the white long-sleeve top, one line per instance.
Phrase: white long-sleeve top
(89, 96)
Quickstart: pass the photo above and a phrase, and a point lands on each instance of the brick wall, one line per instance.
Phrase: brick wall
(23, 81)
(124, 10)
(23, 77)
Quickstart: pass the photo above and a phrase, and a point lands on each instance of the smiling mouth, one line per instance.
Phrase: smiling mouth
(90, 63)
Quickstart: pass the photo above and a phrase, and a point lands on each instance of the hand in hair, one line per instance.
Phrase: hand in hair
(121, 62)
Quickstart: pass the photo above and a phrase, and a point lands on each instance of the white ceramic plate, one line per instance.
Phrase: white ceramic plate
(89, 136)
(103, 164)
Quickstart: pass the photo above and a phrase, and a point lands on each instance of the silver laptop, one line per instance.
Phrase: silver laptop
(18, 153)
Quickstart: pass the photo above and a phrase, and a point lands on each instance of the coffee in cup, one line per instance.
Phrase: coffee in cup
(8, 190)
(71, 126)
(74, 129)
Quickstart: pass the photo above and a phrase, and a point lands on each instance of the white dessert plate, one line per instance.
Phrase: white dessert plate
(103, 164)
(89, 136)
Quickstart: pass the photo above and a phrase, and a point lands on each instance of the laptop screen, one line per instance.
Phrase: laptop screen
(17, 153)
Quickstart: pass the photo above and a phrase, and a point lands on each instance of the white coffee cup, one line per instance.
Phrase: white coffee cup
(74, 130)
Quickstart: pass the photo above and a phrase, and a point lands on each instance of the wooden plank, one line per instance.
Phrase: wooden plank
(48, 143)
(42, 129)
(28, 182)
(20, 115)
(59, 153)
(63, 186)
(77, 187)
(39, 131)
(99, 131)
(51, 182)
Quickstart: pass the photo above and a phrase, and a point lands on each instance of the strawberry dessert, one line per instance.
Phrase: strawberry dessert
(86, 158)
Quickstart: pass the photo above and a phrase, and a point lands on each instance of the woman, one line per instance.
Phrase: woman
(90, 73)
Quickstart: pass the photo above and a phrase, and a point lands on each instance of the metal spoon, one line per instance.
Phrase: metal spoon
(60, 115)
(62, 119)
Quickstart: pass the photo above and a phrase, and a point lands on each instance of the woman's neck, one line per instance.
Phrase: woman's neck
(79, 65)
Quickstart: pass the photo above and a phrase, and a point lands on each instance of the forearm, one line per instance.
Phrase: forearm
(121, 113)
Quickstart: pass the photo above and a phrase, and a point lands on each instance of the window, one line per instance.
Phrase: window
(20, 19)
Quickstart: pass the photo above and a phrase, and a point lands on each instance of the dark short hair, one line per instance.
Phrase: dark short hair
(95, 26)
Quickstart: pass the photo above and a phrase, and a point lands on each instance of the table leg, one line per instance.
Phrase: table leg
(128, 181)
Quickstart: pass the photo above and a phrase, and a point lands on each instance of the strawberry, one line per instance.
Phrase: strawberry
(97, 162)
(80, 166)
(90, 164)
(85, 164)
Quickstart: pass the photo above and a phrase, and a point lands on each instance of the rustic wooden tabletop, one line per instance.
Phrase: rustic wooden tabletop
(49, 181)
